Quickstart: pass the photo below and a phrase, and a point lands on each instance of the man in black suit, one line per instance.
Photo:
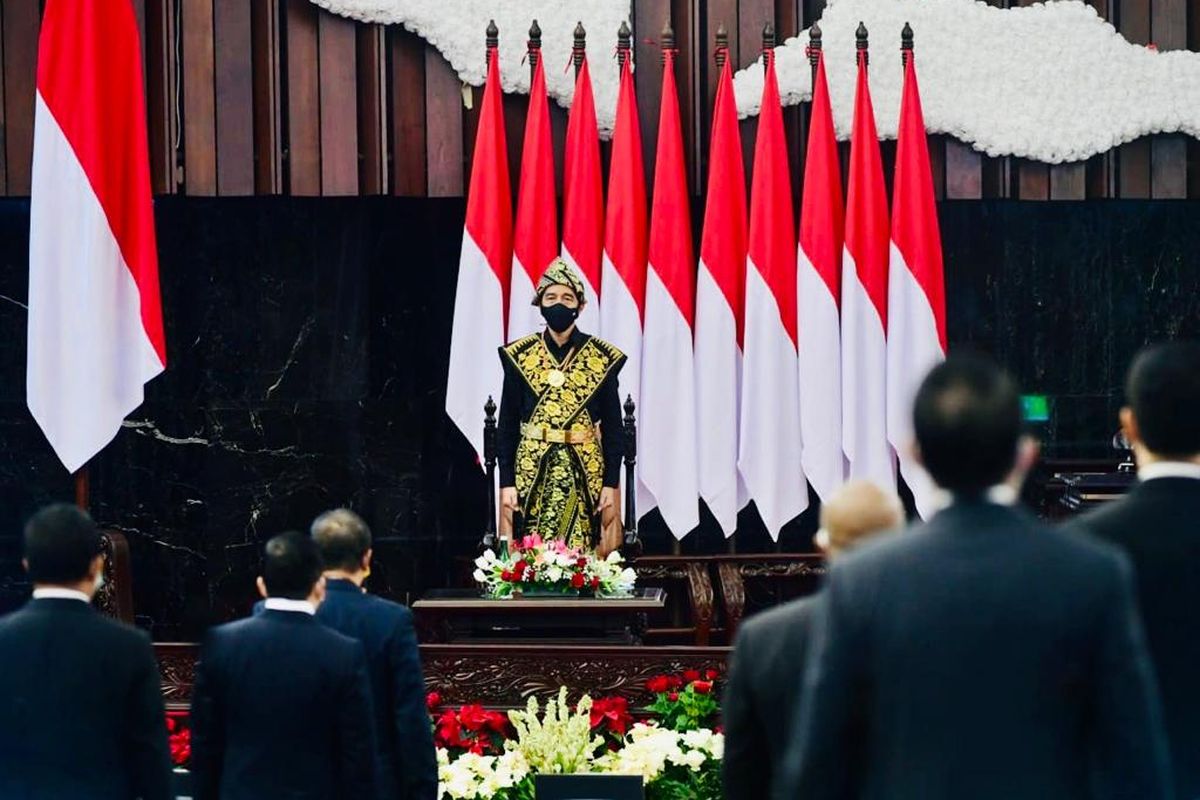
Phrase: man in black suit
(81, 710)
(1158, 525)
(281, 706)
(408, 762)
(982, 655)
(771, 650)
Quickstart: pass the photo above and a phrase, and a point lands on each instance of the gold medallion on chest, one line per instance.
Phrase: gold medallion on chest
(555, 378)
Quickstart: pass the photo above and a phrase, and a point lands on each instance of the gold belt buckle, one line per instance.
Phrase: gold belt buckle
(555, 436)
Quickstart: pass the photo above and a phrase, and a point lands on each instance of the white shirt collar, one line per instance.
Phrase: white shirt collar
(284, 604)
(1169, 469)
(1001, 494)
(55, 593)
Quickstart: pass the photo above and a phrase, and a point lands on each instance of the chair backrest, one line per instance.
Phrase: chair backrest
(588, 787)
(115, 597)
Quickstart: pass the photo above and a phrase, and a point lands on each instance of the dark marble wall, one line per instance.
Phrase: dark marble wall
(307, 344)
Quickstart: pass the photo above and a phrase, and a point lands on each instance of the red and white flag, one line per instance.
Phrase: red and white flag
(95, 315)
(625, 241)
(864, 301)
(483, 273)
(916, 288)
(769, 443)
(667, 427)
(720, 295)
(583, 198)
(820, 280)
(535, 239)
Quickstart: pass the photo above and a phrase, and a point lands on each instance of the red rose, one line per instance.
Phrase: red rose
(673, 697)
(675, 681)
(711, 674)
(702, 687)
(659, 684)
(520, 567)
(691, 675)
(595, 582)
(581, 563)
(433, 700)
(612, 713)
(577, 580)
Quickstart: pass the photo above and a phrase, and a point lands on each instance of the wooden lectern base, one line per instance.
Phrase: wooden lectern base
(461, 616)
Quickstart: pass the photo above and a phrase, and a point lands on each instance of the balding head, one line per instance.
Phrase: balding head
(857, 510)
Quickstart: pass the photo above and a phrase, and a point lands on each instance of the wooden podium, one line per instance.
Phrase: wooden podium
(461, 616)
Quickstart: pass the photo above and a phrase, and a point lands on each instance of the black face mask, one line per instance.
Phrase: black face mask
(559, 317)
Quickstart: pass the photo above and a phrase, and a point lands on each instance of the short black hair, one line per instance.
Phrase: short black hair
(291, 566)
(967, 420)
(343, 539)
(61, 541)
(1163, 389)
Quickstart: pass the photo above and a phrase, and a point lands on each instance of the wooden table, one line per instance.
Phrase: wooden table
(462, 616)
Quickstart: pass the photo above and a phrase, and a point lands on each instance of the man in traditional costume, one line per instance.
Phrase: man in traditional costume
(559, 436)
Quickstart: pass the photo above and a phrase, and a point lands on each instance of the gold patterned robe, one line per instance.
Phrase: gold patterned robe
(559, 462)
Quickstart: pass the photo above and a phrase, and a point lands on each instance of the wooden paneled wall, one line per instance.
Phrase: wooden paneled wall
(277, 97)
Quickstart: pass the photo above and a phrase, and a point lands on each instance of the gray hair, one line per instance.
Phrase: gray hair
(342, 537)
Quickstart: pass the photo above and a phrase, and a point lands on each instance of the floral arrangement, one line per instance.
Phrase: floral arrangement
(470, 729)
(179, 738)
(684, 702)
(591, 736)
(551, 567)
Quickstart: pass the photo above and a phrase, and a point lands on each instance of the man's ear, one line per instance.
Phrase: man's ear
(366, 559)
(1129, 426)
(262, 586)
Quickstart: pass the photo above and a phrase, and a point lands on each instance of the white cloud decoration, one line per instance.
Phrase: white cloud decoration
(456, 29)
(1051, 82)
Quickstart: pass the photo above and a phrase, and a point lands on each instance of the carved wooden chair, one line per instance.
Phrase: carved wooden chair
(751, 583)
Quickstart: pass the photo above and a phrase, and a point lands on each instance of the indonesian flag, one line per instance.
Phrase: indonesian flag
(625, 240)
(720, 294)
(535, 240)
(95, 315)
(583, 198)
(483, 273)
(667, 431)
(769, 444)
(916, 288)
(864, 301)
(820, 278)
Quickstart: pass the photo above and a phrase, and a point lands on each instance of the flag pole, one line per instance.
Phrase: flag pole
(668, 45)
(534, 46)
(814, 50)
(83, 487)
(579, 50)
(906, 44)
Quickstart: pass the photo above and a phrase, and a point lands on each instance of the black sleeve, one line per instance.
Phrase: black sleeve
(356, 731)
(1130, 747)
(508, 426)
(416, 760)
(745, 772)
(207, 729)
(146, 755)
(612, 428)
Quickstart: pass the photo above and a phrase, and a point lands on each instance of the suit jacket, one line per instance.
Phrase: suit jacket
(761, 696)
(408, 762)
(81, 710)
(281, 708)
(1158, 526)
(982, 655)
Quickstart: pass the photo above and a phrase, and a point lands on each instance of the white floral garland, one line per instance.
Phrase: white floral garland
(1051, 82)
(456, 28)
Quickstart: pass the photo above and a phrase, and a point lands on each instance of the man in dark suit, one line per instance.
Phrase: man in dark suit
(1158, 526)
(982, 655)
(408, 762)
(81, 710)
(281, 706)
(771, 650)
